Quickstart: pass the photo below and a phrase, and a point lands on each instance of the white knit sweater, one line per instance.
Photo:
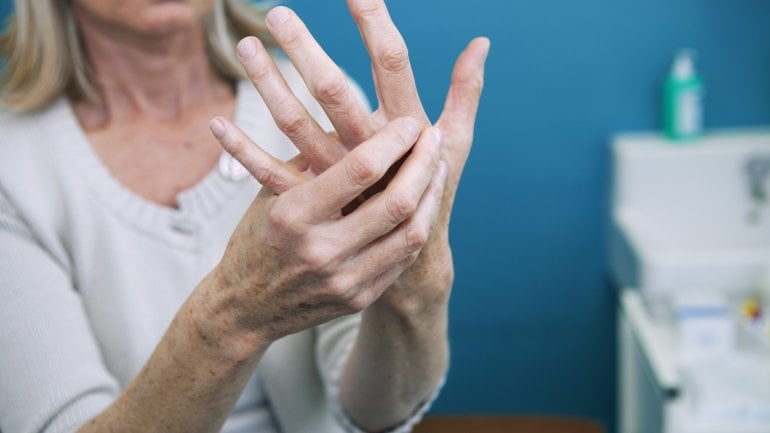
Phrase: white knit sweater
(91, 275)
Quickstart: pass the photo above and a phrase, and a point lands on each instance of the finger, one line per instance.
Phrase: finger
(390, 58)
(366, 294)
(377, 90)
(360, 287)
(379, 118)
(381, 263)
(462, 101)
(328, 193)
(289, 114)
(407, 240)
(267, 170)
(323, 77)
(398, 202)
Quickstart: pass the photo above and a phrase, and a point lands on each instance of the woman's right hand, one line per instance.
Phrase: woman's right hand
(295, 261)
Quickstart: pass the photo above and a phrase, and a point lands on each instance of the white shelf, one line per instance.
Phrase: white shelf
(658, 340)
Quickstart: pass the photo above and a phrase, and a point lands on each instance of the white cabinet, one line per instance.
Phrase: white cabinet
(688, 219)
(658, 395)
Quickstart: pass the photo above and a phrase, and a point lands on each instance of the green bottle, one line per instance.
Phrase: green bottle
(683, 100)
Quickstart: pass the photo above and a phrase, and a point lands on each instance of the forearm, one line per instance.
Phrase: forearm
(402, 352)
(192, 380)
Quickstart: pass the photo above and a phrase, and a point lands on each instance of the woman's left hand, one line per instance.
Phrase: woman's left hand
(401, 352)
(428, 281)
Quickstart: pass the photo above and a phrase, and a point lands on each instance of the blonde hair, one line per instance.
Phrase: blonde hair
(45, 55)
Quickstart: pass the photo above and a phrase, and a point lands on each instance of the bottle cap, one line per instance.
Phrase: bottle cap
(684, 67)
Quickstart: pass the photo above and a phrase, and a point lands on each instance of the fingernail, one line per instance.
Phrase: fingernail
(247, 48)
(277, 16)
(217, 128)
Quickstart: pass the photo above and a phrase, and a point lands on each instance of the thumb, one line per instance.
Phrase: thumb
(462, 101)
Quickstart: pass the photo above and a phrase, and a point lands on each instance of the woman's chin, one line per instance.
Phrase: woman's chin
(171, 21)
(169, 16)
(148, 17)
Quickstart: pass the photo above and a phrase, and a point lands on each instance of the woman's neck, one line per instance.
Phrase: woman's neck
(162, 76)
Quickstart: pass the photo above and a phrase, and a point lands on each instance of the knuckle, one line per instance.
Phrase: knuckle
(471, 85)
(237, 148)
(338, 288)
(278, 218)
(401, 135)
(361, 171)
(416, 237)
(292, 40)
(317, 261)
(283, 221)
(370, 11)
(359, 302)
(332, 92)
(394, 56)
(399, 207)
(293, 122)
(258, 71)
(475, 86)
(267, 176)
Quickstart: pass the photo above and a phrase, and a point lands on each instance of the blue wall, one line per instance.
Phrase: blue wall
(532, 313)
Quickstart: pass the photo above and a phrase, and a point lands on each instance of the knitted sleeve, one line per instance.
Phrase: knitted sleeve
(52, 378)
(333, 346)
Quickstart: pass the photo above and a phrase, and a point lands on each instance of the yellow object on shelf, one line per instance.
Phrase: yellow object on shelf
(751, 309)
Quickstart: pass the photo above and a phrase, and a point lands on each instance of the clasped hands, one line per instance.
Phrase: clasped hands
(296, 259)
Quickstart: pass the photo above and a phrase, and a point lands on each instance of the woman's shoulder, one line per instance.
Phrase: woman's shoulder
(29, 136)
(32, 161)
(12, 120)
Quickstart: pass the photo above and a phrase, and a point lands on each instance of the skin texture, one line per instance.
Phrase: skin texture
(402, 350)
(296, 259)
(150, 20)
(158, 91)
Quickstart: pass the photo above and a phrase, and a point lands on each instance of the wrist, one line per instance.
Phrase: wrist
(419, 315)
(418, 297)
(431, 276)
(213, 320)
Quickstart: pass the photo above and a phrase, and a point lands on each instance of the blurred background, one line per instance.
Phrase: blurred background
(533, 319)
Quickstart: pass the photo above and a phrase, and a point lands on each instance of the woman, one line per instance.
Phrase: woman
(126, 308)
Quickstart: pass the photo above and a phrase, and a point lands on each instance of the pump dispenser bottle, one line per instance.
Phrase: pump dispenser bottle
(683, 98)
